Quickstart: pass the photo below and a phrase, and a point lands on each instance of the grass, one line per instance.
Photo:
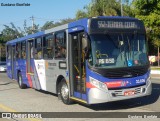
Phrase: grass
(155, 68)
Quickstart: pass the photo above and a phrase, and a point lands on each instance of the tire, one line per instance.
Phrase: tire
(64, 92)
(20, 81)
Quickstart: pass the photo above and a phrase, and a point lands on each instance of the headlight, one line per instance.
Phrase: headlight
(98, 84)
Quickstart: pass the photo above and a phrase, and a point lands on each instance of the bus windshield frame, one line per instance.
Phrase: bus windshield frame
(118, 50)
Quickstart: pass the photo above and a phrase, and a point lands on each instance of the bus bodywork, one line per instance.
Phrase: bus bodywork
(93, 60)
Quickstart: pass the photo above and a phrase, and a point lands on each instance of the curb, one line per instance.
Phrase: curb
(155, 72)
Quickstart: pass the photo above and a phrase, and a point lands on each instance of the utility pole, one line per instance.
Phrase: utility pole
(32, 18)
(158, 56)
(121, 7)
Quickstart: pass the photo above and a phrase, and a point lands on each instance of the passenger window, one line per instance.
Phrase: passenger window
(8, 52)
(18, 50)
(60, 45)
(48, 50)
(23, 52)
(38, 48)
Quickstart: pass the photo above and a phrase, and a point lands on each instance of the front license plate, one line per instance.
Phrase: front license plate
(129, 93)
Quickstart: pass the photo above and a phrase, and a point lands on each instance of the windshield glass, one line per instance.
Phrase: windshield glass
(118, 50)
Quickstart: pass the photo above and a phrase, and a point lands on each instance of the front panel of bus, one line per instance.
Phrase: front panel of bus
(117, 66)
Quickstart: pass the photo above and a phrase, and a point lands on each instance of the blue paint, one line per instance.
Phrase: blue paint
(13, 42)
(130, 82)
(78, 25)
(130, 63)
(80, 96)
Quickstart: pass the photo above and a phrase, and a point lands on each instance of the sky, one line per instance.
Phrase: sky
(42, 10)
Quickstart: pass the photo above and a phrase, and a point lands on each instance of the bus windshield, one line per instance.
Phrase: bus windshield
(118, 50)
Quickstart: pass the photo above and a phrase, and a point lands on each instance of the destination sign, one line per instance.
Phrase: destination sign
(117, 24)
(102, 25)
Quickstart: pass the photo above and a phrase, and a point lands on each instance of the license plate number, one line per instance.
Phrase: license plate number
(129, 93)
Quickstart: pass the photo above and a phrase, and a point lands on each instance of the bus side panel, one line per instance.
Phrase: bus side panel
(40, 76)
(22, 65)
(34, 78)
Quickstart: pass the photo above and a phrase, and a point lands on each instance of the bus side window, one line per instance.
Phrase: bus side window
(48, 50)
(23, 48)
(8, 52)
(18, 50)
(38, 48)
(60, 45)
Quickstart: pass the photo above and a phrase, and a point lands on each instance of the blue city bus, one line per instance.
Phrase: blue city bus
(91, 60)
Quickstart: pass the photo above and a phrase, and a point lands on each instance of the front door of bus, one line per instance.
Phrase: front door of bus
(77, 66)
(30, 63)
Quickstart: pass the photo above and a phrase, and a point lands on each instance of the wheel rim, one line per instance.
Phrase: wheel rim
(64, 91)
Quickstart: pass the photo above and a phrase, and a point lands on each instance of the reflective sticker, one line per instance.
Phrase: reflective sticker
(107, 61)
(130, 63)
(67, 73)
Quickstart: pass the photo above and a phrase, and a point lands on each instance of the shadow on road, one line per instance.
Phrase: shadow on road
(7, 83)
(130, 103)
(124, 104)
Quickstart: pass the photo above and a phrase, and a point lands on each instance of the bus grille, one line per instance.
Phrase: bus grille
(127, 72)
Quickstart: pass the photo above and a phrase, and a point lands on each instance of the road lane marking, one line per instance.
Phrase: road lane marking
(8, 109)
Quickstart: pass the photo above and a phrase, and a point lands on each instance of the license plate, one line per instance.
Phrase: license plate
(129, 93)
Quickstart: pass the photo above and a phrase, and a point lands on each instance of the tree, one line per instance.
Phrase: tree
(51, 24)
(104, 8)
(47, 25)
(149, 12)
(30, 29)
(9, 33)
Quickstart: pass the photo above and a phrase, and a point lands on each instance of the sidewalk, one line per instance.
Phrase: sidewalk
(155, 74)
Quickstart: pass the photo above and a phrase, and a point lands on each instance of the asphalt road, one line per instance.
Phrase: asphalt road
(13, 99)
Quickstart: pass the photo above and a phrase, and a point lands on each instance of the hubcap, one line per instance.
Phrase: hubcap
(64, 91)
(20, 81)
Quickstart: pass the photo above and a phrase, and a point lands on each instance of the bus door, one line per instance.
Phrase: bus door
(29, 56)
(13, 61)
(30, 61)
(77, 66)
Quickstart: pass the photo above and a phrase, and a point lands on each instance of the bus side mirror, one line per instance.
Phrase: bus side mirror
(85, 46)
(84, 43)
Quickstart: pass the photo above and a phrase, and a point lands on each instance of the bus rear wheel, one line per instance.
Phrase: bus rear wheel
(20, 81)
(64, 92)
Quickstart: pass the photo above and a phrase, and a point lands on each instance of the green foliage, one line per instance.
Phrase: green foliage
(81, 14)
(29, 29)
(149, 12)
(10, 33)
(51, 24)
(104, 8)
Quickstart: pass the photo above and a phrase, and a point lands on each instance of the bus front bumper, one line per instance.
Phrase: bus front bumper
(96, 95)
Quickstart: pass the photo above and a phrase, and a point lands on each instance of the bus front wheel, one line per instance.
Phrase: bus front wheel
(64, 92)
(20, 81)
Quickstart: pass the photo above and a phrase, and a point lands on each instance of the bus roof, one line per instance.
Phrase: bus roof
(26, 37)
(80, 22)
